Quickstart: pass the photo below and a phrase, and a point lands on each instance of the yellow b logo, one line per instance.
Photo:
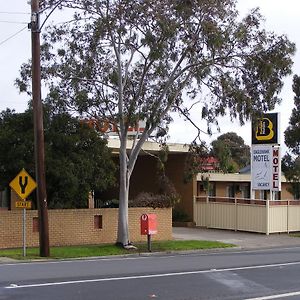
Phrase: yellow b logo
(264, 131)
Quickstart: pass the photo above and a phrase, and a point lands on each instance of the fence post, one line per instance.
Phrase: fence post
(287, 216)
(207, 211)
(194, 210)
(236, 214)
(267, 217)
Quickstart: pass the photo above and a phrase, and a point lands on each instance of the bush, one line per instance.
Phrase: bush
(151, 200)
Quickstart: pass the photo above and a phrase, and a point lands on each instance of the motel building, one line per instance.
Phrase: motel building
(219, 200)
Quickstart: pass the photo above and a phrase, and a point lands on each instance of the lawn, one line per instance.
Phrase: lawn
(110, 249)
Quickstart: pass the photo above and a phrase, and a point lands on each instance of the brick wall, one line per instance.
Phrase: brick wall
(77, 227)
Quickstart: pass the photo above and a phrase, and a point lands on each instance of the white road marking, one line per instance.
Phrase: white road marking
(292, 294)
(14, 286)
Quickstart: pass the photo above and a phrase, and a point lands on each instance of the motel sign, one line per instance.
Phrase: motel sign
(266, 169)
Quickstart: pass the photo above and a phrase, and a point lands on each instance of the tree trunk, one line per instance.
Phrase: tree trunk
(126, 168)
(123, 231)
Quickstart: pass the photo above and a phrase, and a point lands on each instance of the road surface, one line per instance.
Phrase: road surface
(255, 275)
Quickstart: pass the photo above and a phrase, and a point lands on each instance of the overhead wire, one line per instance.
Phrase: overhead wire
(12, 22)
(12, 36)
(13, 13)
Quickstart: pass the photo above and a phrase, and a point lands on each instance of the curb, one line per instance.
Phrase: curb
(7, 260)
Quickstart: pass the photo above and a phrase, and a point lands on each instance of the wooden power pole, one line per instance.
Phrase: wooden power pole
(39, 131)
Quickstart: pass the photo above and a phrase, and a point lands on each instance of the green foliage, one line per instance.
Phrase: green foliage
(206, 183)
(291, 162)
(228, 148)
(223, 153)
(231, 151)
(162, 158)
(291, 170)
(195, 161)
(77, 159)
(152, 200)
(292, 133)
(16, 139)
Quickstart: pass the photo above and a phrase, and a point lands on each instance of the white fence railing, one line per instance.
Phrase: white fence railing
(252, 215)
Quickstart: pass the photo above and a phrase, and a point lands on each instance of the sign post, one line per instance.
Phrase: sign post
(24, 232)
(23, 185)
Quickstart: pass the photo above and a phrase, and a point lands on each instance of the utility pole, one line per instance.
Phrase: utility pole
(39, 131)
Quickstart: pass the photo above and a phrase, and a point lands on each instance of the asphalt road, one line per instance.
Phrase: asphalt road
(256, 274)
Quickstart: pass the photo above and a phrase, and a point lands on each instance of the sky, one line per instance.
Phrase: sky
(15, 49)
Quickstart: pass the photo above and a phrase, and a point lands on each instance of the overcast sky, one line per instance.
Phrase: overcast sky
(282, 17)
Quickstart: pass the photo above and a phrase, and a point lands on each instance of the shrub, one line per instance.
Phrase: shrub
(151, 200)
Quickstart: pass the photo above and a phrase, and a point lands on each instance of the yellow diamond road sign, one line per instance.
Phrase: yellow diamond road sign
(23, 184)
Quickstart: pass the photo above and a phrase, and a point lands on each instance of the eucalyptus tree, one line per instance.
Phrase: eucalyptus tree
(128, 60)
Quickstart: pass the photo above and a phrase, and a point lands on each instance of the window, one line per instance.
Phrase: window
(230, 191)
(208, 188)
(98, 222)
(200, 188)
(245, 189)
(212, 189)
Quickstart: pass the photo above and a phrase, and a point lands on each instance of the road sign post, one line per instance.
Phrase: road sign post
(24, 232)
(23, 185)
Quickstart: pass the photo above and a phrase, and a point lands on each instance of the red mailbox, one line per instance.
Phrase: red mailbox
(148, 224)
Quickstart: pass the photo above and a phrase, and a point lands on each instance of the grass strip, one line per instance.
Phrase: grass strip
(111, 249)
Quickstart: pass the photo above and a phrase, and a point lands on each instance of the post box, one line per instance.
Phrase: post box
(148, 224)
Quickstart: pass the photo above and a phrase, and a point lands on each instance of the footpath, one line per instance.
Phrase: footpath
(244, 240)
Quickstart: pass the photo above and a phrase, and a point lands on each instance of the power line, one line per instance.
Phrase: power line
(13, 22)
(7, 39)
(13, 13)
